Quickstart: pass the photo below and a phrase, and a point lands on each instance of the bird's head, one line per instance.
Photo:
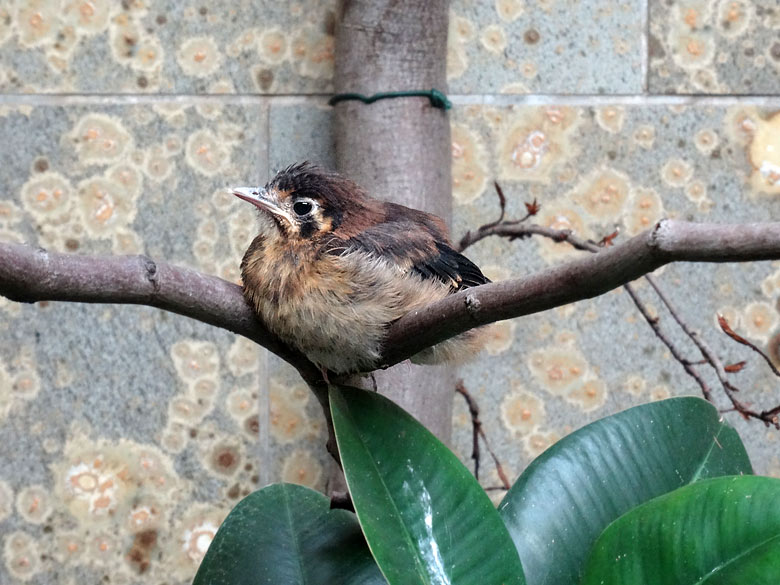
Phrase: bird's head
(305, 202)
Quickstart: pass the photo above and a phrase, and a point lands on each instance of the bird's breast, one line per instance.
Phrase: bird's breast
(281, 274)
(333, 307)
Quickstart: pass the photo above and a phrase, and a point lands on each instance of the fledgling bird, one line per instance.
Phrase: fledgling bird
(332, 268)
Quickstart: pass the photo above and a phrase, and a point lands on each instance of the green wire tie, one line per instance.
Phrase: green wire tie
(437, 98)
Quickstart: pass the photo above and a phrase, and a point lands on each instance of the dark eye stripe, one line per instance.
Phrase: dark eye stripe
(307, 229)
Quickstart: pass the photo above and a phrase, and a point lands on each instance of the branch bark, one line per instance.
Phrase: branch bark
(583, 278)
(30, 274)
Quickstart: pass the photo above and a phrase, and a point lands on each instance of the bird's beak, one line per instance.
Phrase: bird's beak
(263, 200)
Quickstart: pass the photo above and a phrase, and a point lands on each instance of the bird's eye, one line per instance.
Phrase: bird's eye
(302, 208)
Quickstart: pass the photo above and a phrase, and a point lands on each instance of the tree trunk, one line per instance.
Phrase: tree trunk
(398, 149)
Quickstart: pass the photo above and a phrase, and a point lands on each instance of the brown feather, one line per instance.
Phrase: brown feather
(333, 293)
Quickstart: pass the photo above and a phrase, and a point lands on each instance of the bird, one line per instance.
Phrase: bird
(332, 268)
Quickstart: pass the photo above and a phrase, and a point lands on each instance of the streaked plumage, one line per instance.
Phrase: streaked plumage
(330, 280)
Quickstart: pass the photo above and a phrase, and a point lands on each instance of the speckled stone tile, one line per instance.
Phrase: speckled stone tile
(128, 432)
(300, 132)
(714, 46)
(166, 46)
(551, 46)
(162, 46)
(594, 170)
(133, 431)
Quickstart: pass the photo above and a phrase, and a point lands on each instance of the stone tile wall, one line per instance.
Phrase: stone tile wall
(126, 434)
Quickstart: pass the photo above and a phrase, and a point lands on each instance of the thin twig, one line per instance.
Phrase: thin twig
(512, 230)
(724, 325)
(516, 231)
(653, 322)
(501, 204)
(768, 417)
(477, 432)
(476, 424)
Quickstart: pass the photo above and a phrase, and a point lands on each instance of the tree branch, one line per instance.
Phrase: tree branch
(28, 275)
(669, 241)
(654, 325)
(724, 325)
(477, 432)
(512, 230)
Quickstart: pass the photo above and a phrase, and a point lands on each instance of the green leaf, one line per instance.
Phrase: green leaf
(286, 533)
(570, 493)
(723, 531)
(425, 518)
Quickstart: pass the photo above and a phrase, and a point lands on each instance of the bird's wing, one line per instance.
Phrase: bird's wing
(414, 248)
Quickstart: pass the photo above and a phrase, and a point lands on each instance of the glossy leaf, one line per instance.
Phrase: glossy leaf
(570, 493)
(723, 531)
(286, 533)
(425, 517)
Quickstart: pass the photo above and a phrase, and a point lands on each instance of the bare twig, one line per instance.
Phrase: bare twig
(501, 204)
(653, 322)
(476, 425)
(531, 210)
(513, 231)
(768, 417)
(709, 355)
(724, 325)
(518, 231)
(477, 432)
